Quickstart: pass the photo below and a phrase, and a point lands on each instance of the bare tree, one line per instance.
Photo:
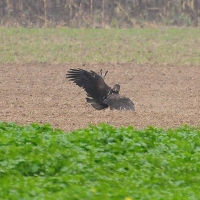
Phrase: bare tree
(89, 12)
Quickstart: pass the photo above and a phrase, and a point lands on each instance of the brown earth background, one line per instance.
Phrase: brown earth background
(164, 96)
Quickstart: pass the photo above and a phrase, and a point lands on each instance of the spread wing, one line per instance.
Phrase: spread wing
(115, 101)
(91, 82)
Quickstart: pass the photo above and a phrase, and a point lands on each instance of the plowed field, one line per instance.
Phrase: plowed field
(164, 96)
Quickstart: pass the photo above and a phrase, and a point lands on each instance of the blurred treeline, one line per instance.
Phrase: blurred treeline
(99, 13)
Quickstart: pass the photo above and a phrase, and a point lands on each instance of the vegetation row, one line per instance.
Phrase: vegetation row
(39, 162)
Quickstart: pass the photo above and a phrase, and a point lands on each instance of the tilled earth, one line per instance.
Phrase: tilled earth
(164, 96)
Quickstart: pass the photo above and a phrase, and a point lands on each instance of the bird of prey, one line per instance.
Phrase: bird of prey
(99, 94)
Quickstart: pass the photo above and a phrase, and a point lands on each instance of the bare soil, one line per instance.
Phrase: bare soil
(164, 96)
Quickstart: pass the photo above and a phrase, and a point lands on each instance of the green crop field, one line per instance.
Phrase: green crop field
(177, 46)
(99, 162)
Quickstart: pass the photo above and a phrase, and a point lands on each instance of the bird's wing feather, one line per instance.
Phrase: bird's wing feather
(91, 82)
(117, 102)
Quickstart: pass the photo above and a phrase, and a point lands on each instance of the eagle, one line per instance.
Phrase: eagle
(99, 94)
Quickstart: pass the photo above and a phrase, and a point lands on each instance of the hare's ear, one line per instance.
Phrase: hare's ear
(105, 75)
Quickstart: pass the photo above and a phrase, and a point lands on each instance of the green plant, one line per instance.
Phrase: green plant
(38, 162)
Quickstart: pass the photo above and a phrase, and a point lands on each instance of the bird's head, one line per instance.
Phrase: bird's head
(116, 88)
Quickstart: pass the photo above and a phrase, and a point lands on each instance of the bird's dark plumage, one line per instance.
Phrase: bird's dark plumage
(100, 95)
(115, 101)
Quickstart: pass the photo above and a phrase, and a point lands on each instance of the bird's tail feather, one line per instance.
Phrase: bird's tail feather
(97, 106)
